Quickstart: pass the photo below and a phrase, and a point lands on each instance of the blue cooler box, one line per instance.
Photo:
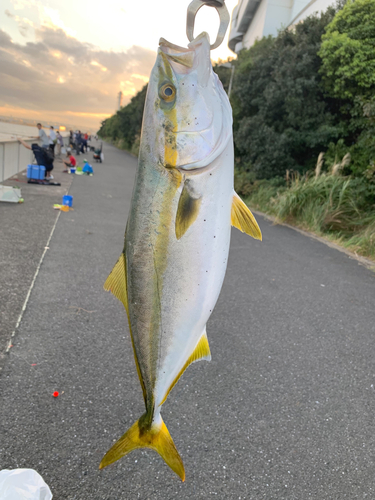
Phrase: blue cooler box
(36, 172)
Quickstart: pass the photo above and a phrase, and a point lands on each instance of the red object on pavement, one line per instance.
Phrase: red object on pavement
(55, 394)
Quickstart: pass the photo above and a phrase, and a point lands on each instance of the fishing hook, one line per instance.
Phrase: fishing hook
(222, 10)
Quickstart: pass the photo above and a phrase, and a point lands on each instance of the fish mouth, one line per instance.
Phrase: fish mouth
(176, 54)
(181, 55)
(171, 46)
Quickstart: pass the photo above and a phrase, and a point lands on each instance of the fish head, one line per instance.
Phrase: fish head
(188, 117)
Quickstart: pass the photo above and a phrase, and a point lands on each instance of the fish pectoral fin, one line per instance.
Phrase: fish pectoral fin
(187, 211)
(243, 219)
(201, 351)
(156, 437)
(116, 281)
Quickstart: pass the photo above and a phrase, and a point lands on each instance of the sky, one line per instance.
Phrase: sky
(65, 62)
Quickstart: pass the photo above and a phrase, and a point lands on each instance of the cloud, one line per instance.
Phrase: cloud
(59, 74)
(24, 24)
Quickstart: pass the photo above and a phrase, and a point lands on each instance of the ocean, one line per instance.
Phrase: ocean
(10, 131)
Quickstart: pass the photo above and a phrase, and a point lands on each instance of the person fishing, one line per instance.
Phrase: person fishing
(42, 136)
(71, 163)
(42, 155)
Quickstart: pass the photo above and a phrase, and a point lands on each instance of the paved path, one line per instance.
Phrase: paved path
(24, 231)
(285, 410)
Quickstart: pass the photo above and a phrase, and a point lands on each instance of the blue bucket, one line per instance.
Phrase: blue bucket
(67, 200)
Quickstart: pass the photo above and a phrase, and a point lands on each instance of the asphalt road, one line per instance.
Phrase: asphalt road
(285, 410)
(24, 232)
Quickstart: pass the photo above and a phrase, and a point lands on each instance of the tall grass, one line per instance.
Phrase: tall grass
(342, 207)
(363, 241)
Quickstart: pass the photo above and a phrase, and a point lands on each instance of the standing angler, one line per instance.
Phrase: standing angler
(177, 237)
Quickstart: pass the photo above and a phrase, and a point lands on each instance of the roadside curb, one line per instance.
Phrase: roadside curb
(361, 260)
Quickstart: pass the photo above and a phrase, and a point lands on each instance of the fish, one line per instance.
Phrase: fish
(177, 236)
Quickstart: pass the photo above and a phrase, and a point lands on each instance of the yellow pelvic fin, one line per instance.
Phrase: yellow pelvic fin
(141, 435)
(243, 219)
(201, 351)
(187, 211)
(116, 281)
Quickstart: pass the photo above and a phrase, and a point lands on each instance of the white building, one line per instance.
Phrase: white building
(254, 19)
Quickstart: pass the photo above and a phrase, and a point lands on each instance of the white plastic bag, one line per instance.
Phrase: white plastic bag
(23, 484)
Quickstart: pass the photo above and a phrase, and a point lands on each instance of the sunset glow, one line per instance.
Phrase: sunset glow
(60, 60)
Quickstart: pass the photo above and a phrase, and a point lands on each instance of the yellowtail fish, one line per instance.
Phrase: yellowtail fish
(177, 237)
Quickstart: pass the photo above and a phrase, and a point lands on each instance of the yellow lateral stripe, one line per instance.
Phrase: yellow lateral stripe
(116, 284)
(243, 219)
(170, 141)
(201, 351)
(141, 436)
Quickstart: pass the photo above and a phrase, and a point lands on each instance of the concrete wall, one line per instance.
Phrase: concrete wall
(269, 17)
(255, 31)
(298, 6)
(278, 16)
(13, 158)
(309, 8)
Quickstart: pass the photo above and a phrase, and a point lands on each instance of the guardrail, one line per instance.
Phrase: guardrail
(13, 158)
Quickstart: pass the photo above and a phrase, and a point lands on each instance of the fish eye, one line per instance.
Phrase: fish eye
(167, 92)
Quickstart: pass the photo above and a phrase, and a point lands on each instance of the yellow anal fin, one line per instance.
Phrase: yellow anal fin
(155, 437)
(201, 351)
(187, 211)
(243, 219)
(116, 281)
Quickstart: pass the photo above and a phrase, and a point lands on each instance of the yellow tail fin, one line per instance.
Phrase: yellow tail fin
(155, 437)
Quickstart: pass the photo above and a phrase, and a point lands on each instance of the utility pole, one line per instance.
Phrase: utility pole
(230, 66)
(119, 101)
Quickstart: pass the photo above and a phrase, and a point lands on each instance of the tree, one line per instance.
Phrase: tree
(347, 51)
(282, 119)
(348, 72)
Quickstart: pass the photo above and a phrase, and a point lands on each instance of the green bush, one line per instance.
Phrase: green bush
(347, 51)
(282, 119)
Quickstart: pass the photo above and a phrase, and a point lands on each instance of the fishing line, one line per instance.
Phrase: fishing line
(31, 287)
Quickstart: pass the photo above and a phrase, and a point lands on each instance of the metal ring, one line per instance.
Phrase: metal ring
(222, 10)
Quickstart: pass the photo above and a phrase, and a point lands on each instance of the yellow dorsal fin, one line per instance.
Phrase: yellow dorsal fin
(243, 219)
(116, 284)
(156, 437)
(201, 351)
(116, 281)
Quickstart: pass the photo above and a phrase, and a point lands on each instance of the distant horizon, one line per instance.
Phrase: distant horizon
(32, 122)
(61, 62)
